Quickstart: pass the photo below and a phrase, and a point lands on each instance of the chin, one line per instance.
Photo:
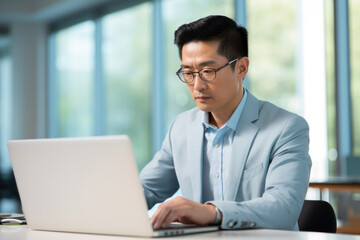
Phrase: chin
(204, 107)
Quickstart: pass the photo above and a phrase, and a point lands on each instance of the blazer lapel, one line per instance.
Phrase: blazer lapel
(195, 156)
(243, 139)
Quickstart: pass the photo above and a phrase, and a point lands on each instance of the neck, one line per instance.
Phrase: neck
(216, 122)
(219, 118)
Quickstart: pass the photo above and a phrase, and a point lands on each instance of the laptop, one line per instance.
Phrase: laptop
(84, 185)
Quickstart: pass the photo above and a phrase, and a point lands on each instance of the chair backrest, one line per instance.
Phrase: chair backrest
(317, 216)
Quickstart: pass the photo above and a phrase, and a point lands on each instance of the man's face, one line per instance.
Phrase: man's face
(220, 96)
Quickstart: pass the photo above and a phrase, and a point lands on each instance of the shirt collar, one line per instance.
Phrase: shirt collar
(234, 119)
(206, 123)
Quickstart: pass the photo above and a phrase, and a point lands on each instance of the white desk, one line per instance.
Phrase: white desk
(23, 233)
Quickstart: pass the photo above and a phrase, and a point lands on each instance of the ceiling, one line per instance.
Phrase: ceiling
(42, 10)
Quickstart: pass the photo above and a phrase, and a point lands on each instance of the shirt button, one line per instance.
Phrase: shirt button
(217, 145)
(217, 175)
(230, 224)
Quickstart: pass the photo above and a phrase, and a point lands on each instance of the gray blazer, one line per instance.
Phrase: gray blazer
(265, 185)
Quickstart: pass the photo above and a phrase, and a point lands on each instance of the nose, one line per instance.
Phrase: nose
(199, 84)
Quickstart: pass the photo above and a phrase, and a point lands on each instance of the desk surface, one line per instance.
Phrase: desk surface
(22, 233)
(336, 183)
(337, 180)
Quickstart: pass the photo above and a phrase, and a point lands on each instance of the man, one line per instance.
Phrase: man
(239, 162)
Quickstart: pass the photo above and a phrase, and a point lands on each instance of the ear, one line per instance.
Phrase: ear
(242, 67)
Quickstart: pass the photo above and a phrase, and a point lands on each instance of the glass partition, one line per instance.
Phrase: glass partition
(74, 66)
(272, 51)
(127, 65)
(9, 198)
(354, 38)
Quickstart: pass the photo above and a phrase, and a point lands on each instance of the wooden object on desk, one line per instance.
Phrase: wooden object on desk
(351, 226)
(337, 184)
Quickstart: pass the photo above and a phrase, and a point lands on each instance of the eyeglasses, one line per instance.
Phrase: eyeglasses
(206, 74)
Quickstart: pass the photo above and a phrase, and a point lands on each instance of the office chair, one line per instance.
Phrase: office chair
(317, 216)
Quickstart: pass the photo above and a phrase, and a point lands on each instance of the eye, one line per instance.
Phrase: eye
(207, 71)
(187, 73)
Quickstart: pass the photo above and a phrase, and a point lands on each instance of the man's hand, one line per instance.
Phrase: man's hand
(184, 211)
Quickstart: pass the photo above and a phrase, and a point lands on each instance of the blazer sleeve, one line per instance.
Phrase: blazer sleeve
(158, 177)
(286, 184)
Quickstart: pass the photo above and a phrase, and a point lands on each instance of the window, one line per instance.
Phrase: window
(127, 76)
(74, 64)
(287, 65)
(8, 193)
(5, 76)
(272, 52)
(330, 86)
(5, 80)
(354, 38)
(102, 79)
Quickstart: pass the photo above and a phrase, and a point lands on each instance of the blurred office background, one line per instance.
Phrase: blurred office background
(72, 68)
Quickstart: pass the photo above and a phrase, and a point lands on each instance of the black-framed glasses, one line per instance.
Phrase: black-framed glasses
(206, 74)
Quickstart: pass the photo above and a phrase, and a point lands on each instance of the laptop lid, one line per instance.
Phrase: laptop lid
(88, 185)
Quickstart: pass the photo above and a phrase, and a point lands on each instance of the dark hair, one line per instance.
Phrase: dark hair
(233, 39)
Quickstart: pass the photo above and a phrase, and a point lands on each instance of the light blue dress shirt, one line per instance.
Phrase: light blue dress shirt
(217, 152)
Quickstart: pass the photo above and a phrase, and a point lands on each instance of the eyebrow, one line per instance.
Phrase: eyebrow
(206, 63)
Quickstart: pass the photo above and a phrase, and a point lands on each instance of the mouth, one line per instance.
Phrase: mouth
(202, 98)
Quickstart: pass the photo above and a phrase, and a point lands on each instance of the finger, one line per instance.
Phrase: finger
(157, 213)
(160, 215)
(174, 215)
(168, 212)
(154, 216)
(175, 210)
(181, 210)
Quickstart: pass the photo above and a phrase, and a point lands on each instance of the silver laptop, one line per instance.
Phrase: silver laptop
(87, 185)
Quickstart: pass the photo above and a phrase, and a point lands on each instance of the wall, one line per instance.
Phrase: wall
(28, 52)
